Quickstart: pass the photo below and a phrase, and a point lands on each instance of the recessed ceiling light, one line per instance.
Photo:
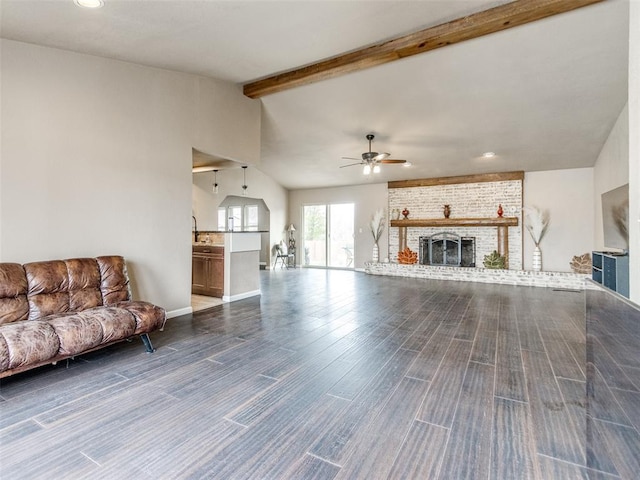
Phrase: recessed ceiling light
(406, 164)
(89, 3)
(488, 155)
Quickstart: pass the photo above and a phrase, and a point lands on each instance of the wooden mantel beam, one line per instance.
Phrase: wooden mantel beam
(482, 23)
(456, 222)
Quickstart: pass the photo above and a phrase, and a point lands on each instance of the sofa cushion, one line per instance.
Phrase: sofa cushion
(48, 288)
(13, 293)
(76, 333)
(27, 343)
(84, 284)
(116, 323)
(115, 280)
(148, 317)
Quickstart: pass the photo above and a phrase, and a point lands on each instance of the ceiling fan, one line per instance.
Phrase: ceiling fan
(372, 160)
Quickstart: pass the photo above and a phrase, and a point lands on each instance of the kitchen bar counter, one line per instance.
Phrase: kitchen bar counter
(241, 254)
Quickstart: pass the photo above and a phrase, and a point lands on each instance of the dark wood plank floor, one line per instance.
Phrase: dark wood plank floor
(329, 374)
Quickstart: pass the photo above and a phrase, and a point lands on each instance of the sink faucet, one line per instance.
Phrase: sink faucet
(195, 231)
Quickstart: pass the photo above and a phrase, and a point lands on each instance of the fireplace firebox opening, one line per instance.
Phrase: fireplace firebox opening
(448, 249)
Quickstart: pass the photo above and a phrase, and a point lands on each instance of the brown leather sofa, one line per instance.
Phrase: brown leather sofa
(50, 311)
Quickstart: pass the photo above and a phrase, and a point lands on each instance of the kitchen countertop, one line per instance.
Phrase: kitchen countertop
(201, 232)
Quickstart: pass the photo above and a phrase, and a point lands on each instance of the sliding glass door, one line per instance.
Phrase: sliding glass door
(340, 237)
(328, 235)
(315, 235)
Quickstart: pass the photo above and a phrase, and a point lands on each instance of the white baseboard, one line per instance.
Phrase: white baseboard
(240, 296)
(180, 311)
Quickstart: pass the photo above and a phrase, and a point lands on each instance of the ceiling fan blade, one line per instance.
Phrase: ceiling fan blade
(351, 165)
(351, 158)
(392, 160)
(381, 156)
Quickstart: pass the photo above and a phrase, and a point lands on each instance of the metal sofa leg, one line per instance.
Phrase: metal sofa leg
(147, 343)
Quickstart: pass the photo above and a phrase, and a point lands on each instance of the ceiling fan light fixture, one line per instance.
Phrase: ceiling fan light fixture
(371, 160)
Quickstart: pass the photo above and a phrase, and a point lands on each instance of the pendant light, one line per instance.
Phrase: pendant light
(215, 182)
(244, 180)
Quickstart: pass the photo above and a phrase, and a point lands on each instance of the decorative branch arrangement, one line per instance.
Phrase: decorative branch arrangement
(377, 224)
(537, 222)
(581, 263)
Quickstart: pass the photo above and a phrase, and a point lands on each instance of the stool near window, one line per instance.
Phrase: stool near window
(292, 246)
(284, 257)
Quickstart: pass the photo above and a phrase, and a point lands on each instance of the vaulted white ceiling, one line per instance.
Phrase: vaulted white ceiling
(542, 96)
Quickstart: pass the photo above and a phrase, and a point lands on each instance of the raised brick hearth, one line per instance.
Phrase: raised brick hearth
(564, 280)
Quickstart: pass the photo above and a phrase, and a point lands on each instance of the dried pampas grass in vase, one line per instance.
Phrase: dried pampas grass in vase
(536, 221)
(377, 227)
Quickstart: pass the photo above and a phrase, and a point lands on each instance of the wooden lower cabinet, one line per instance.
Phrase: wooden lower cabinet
(207, 271)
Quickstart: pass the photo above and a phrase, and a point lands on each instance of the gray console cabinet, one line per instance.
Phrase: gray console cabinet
(612, 271)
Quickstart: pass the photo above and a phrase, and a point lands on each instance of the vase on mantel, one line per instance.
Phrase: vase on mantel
(375, 257)
(536, 266)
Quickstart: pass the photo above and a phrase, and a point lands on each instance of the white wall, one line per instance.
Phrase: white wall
(567, 193)
(568, 196)
(367, 199)
(96, 159)
(634, 151)
(227, 122)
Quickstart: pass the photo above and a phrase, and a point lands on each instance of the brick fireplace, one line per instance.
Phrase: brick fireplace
(473, 200)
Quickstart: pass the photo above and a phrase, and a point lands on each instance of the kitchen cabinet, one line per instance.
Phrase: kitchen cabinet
(207, 273)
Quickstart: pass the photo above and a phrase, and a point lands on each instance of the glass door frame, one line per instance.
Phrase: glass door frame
(349, 249)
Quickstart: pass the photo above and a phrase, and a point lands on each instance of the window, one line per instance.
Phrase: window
(222, 219)
(251, 218)
(240, 214)
(235, 219)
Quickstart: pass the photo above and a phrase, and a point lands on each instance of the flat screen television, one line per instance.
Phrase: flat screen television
(615, 218)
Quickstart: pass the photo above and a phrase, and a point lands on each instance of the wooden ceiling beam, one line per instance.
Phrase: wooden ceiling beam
(482, 23)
